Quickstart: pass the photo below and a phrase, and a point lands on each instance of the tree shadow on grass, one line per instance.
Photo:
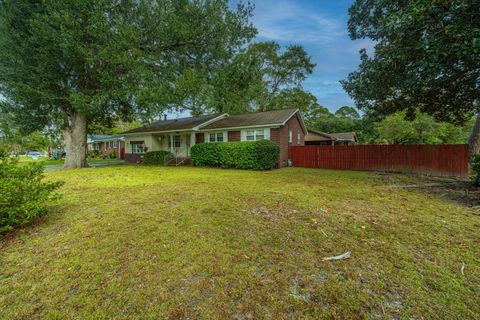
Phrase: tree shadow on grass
(459, 191)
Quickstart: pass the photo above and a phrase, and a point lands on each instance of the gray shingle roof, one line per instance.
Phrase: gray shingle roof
(100, 137)
(344, 136)
(252, 119)
(175, 124)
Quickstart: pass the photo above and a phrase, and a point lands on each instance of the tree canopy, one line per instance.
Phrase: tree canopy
(74, 63)
(396, 128)
(427, 58)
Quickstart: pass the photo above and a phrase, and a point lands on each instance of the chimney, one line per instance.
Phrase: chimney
(165, 117)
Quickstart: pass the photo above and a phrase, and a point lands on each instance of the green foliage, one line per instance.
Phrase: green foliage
(112, 154)
(258, 155)
(423, 129)
(93, 154)
(73, 64)
(393, 129)
(476, 169)
(155, 157)
(260, 78)
(23, 193)
(427, 57)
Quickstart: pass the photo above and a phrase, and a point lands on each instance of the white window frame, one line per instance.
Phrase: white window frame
(208, 136)
(258, 134)
(172, 142)
(137, 148)
(299, 138)
(290, 136)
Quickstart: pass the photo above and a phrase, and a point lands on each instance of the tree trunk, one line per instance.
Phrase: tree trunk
(76, 142)
(474, 140)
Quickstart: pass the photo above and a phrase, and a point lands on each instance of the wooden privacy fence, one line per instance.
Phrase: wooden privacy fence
(443, 160)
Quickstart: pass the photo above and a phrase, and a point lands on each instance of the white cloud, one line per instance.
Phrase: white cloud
(287, 21)
(324, 36)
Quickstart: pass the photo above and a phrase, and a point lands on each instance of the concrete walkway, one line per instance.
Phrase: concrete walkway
(91, 164)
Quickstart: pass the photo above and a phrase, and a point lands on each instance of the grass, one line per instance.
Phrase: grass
(136, 242)
(50, 162)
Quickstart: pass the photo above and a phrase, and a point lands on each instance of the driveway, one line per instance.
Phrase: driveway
(92, 164)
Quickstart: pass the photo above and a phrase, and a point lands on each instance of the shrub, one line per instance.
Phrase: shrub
(476, 169)
(155, 157)
(112, 154)
(259, 155)
(93, 154)
(23, 193)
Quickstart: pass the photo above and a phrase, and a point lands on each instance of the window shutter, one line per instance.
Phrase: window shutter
(225, 136)
(206, 137)
(243, 135)
(267, 133)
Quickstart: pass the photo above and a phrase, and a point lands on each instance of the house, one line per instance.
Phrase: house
(105, 144)
(285, 127)
(321, 138)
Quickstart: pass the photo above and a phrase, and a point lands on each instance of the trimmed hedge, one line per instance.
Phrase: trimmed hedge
(476, 169)
(258, 155)
(155, 157)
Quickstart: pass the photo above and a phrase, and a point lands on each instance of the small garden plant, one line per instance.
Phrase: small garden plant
(23, 193)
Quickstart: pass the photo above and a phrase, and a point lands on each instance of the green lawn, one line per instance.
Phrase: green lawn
(49, 162)
(134, 242)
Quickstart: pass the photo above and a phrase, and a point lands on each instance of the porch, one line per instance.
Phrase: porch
(177, 143)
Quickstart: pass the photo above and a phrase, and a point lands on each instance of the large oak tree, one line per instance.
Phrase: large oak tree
(71, 64)
(427, 58)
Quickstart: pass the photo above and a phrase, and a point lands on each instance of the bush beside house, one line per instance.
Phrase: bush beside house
(259, 155)
(23, 193)
(476, 170)
(155, 157)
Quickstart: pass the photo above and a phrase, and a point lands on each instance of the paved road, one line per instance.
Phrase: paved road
(93, 164)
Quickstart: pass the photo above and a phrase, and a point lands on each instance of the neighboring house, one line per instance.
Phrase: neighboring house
(284, 127)
(321, 138)
(105, 144)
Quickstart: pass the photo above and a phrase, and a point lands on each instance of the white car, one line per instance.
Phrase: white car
(34, 154)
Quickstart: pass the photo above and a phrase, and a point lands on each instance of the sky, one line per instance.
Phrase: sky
(320, 26)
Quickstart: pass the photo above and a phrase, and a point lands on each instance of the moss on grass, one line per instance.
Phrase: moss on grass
(139, 242)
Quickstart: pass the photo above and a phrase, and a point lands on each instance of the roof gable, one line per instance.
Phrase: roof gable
(273, 117)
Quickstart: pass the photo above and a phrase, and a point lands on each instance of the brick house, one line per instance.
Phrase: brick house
(285, 127)
(105, 144)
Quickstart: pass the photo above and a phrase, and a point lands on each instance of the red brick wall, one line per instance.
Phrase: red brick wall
(132, 157)
(280, 137)
(199, 138)
(233, 136)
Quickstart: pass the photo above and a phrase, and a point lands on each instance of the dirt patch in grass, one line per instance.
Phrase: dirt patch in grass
(137, 242)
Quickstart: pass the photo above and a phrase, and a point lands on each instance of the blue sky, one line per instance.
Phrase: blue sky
(320, 26)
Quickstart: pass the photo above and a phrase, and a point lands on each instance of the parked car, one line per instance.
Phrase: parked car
(34, 154)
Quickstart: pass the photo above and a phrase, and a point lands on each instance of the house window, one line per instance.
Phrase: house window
(115, 144)
(255, 135)
(176, 141)
(290, 138)
(259, 134)
(216, 137)
(137, 148)
(299, 138)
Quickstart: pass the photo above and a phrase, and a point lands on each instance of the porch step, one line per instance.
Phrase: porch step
(182, 161)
